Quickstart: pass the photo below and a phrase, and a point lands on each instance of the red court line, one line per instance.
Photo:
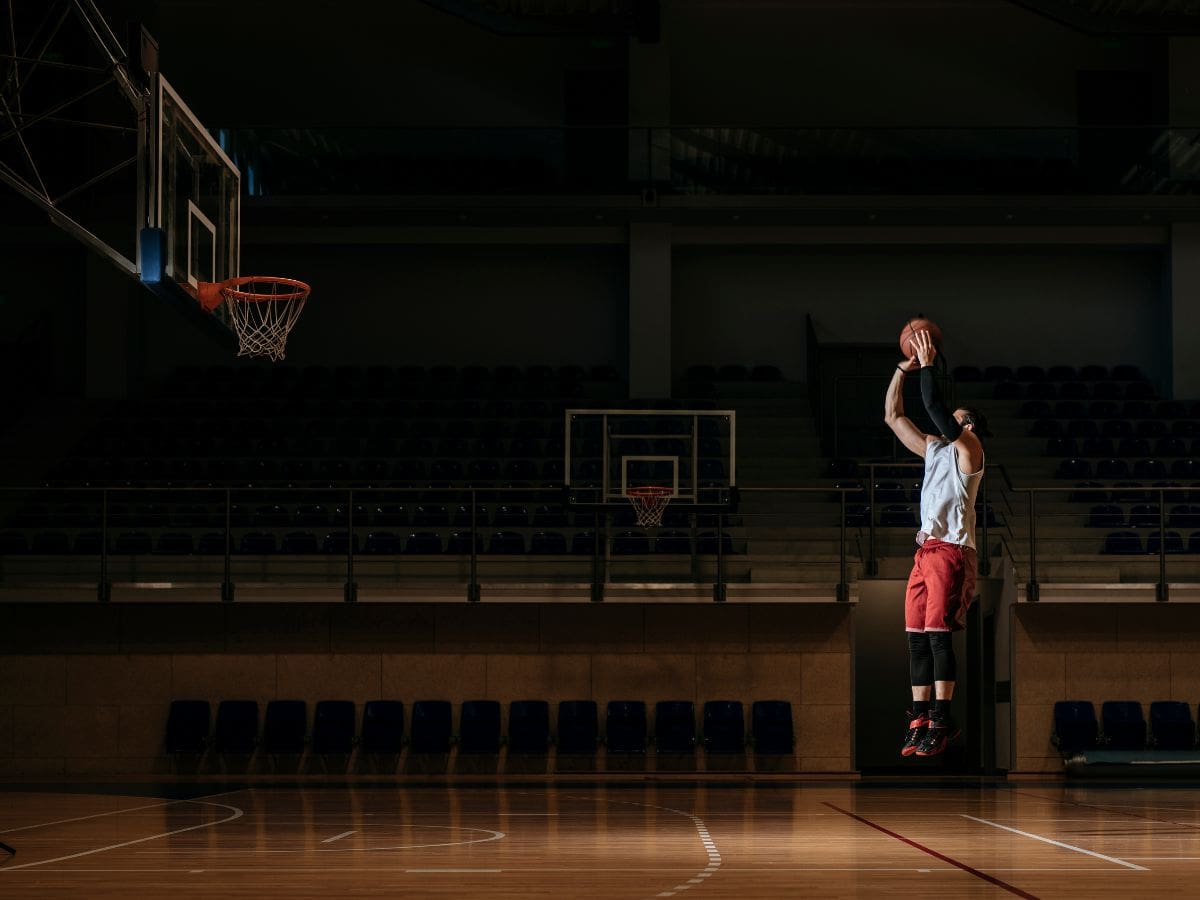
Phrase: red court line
(1003, 885)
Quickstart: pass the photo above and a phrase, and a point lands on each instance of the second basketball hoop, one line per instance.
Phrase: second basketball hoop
(649, 503)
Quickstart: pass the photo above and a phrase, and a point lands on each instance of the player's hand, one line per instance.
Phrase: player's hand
(922, 342)
(909, 365)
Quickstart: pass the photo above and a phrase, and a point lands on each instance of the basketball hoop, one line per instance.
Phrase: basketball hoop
(649, 503)
(262, 310)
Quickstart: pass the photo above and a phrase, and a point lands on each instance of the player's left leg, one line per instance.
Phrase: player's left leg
(949, 577)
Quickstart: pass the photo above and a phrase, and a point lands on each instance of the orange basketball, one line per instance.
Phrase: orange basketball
(911, 327)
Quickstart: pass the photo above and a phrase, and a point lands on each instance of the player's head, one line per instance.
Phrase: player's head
(972, 420)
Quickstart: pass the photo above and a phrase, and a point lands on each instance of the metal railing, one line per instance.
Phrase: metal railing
(96, 511)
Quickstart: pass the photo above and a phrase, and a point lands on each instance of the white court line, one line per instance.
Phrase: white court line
(237, 814)
(449, 871)
(337, 837)
(112, 812)
(1046, 840)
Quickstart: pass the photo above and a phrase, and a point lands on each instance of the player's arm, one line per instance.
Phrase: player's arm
(970, 450)
(909, 434)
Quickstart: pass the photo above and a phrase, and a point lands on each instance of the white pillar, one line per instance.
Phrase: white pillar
(650, 310)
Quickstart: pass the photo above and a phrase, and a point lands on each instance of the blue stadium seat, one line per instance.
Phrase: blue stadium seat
(896, 516)
(237, 727)
(284, 727)
(431, 726)
(672, 542)
(1106, 516)
(1074, 468)
(547, 543)
(1184, 516)
(706, 543)
(1123, 724)
(299, 542)
(383, 727)
(1123, 543)
(459, 543)
(724, 726)
(423, 542)
(631, 542)
(583, 543)
(333, 727)
(187, 727)
(771, 726)
(132, 542)
(258, 543)
(339, 542)
(1171, 725)
(1144, 515)
(1172, 542)
(577, 727)
(479, 727)
(625, 727)
(506, 543)
(528, 726)
(674, 726)
(1075, 726)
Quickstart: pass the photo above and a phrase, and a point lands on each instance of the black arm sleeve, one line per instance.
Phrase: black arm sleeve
(936, 407)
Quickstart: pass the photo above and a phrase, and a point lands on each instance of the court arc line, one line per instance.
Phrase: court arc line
(337, 837)
(237, 814)
(1065, 846)
(991, 879)
(710, 847)
(111, 812)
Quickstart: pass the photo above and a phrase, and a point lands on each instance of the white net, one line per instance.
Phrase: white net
(262, 312)
(649, 504)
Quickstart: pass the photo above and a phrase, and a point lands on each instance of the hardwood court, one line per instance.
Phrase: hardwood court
(607, 842)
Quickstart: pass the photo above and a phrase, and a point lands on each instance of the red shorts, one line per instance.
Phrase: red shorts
(940, 588)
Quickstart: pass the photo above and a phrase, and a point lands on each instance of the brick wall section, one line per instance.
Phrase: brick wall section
(1098, 652)
(85, 689)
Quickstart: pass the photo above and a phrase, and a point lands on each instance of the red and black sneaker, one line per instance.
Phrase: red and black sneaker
(917, 726)
(939, 733)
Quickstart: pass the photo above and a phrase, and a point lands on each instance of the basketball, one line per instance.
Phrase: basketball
(911, 327)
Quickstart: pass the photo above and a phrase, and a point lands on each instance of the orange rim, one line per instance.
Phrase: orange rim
(648, 491)
(231, 289)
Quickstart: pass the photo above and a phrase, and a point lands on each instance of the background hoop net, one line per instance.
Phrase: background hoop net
(649, 504)
(262, 311)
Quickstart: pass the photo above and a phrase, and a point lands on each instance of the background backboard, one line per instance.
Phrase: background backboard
(608, 451)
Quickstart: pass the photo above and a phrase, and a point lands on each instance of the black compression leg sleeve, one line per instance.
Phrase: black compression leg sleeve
(945, 667)
(920, 659)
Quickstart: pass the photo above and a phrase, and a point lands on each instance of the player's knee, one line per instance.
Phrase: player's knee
(941, 645)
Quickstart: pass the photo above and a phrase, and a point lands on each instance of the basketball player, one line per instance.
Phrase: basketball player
(942, 583)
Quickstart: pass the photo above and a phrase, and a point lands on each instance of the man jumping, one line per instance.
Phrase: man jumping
(942, 583)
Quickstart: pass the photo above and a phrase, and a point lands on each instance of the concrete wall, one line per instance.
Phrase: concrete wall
(1009, 305)
(1097, 652)
(85, 689)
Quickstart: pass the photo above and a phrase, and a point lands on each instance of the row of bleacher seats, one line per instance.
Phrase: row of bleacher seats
(260, 543)
(1122, 726)
(1073, 390)
(285, 728)
(1183, 415)
(423, 514)
(1136, 448)
(409, 474)
(1133, 492)
(1129, 543)
(378, 380)
(1118, 372)
(1144, 515)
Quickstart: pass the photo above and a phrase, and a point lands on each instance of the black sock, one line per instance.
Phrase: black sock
(941, 709)
(920, 707)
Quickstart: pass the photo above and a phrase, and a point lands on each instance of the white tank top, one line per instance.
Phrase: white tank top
(948, 496)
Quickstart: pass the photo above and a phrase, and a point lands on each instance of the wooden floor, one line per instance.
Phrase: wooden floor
(865, 839)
